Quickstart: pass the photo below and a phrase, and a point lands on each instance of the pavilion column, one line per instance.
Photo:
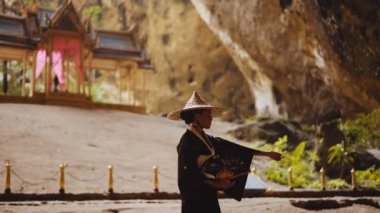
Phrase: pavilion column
(33, 76)
(45, 73)
(92, 72)
(49, 68)
(66, 71)
(79, 72)
(118, 75)
(143, 87)
(5, 77)
(23, 74)
(78, 81)
(82, 72)
(133, 87)
(129, 84)
(90, 75)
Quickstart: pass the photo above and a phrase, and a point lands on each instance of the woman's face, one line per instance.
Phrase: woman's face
(204, 118)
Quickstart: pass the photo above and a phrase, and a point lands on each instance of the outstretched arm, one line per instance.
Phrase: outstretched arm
(227, 144)
(273, 155)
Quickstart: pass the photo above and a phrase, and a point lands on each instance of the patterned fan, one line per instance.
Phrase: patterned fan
(227, 167)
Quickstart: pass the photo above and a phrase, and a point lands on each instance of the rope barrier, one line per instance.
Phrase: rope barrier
(86, 180)
(9, 171)
(127, 180)
(35, 184)
(166, 176)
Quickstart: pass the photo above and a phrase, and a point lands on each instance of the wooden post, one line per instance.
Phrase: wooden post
(8, 178)
(290, 179)
(62, 178)
(110, 179)
(323, 179)
(155, 172)
(353, 179)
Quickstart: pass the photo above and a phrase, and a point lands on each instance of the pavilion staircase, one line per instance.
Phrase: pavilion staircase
(66, 99)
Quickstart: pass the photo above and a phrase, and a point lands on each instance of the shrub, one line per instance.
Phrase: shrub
(299, 160)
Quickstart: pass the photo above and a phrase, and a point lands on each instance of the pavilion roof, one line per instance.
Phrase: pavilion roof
(112, 44)
(13, 32)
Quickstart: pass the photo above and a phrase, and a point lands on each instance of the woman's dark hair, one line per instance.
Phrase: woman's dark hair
(188, 116)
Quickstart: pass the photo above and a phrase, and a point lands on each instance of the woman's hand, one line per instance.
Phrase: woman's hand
(275, 155)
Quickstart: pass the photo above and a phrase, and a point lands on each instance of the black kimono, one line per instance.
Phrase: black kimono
(194, 155)
(197, 197)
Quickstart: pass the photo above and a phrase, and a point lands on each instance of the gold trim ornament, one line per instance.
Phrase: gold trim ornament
(224, 174)
(196, 102)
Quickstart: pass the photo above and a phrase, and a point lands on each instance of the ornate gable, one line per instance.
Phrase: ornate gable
(67, 18)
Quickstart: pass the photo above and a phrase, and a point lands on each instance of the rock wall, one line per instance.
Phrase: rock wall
(187, 56)
(309, 61)
(285, 48)
(354, 33)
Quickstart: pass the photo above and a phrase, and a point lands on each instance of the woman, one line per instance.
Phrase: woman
(198, 192)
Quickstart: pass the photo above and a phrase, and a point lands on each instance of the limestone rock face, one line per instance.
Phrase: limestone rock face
(304, 60)
(288, 51)
(187, 56)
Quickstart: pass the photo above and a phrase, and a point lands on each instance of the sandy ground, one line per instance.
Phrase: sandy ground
(37, 139)
(262, 205)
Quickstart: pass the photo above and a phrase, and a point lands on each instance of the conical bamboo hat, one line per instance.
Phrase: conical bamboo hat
(195, 102)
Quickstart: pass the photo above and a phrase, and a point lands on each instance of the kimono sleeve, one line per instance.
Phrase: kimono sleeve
(237, 160)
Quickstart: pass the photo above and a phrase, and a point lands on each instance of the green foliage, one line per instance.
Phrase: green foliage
(369, 178)
(299, 160)
(315, 184)
(364, 131)
(93, 12)
(43, 3)
(98, 93)
(340, 155)
(337, 184)
(250, 118)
